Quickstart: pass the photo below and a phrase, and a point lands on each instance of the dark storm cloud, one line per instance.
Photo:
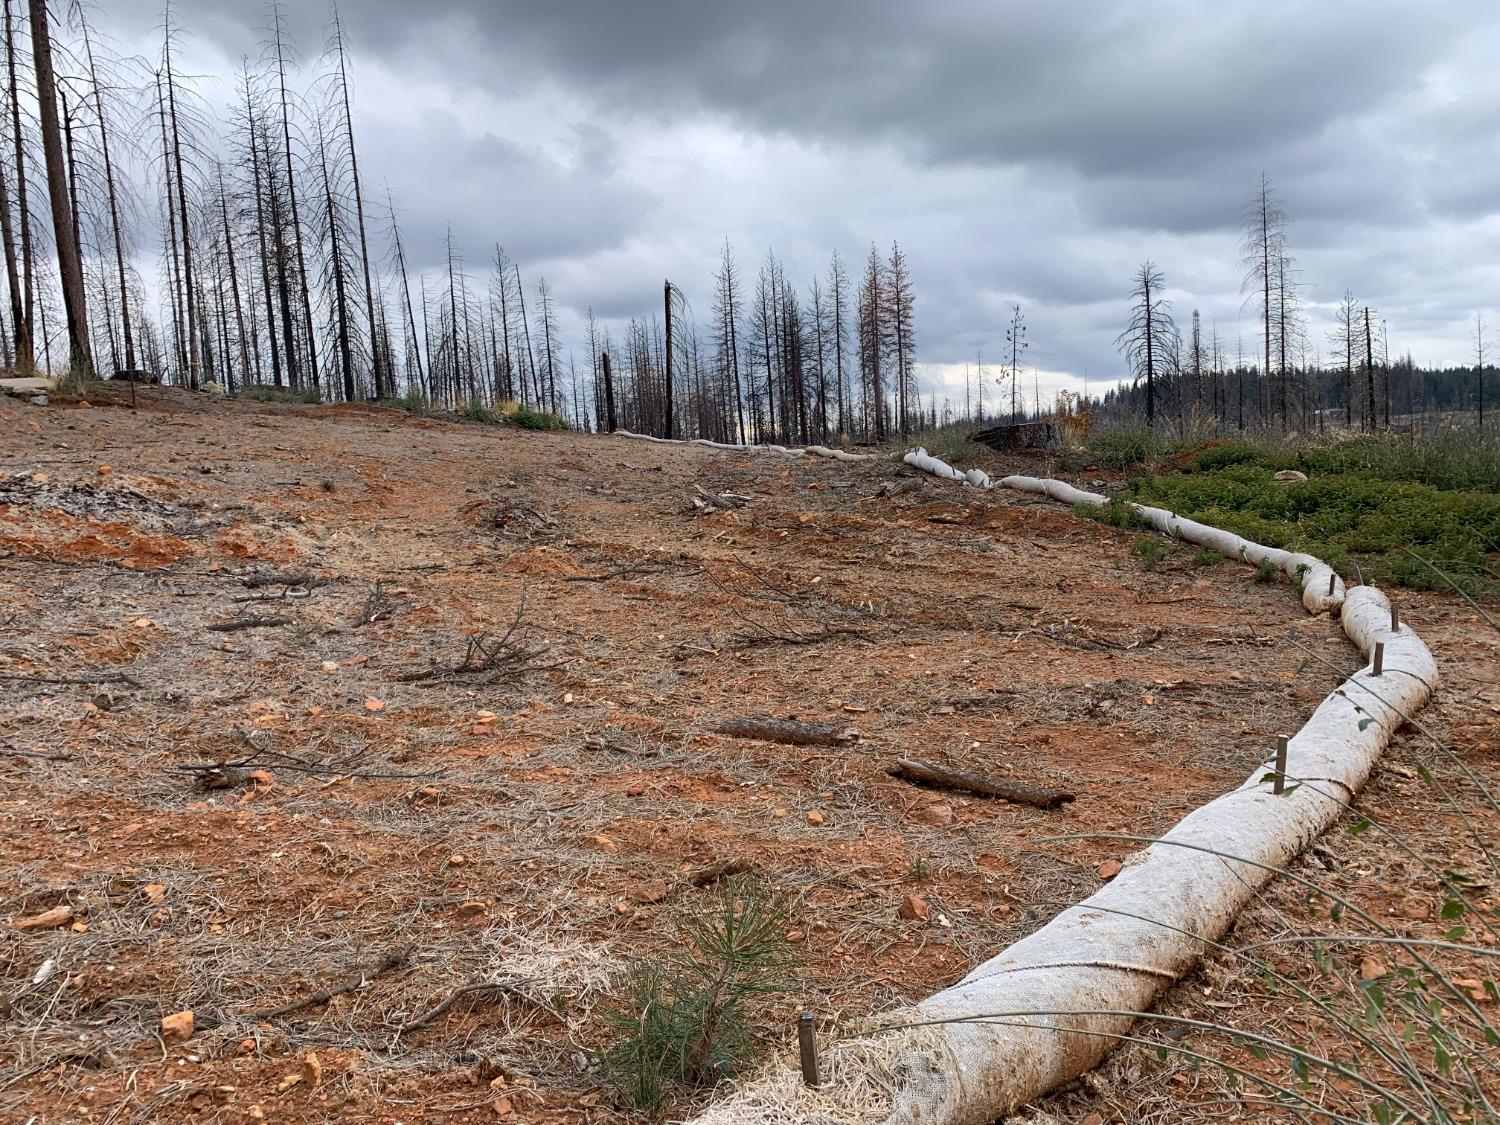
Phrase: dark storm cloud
(1019, 152)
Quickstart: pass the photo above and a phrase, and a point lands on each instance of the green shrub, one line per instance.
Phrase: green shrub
(260, 392)
(686, 1019)
(1266, 572)
(1151, 550)
(413, 402)
(529, 419)
(1116, 512)
(1206, 556)
(476, 411)
(1124, 447)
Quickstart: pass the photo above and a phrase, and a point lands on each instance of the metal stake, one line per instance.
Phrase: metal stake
(1278, 782)
(1379, 658)
(807, 1043)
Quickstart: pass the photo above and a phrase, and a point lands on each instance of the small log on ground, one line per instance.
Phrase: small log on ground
(249, 623)
(945, 777)
(787, 730)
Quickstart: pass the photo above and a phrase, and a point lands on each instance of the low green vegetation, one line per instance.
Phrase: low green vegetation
(259, 392)
(476, 410)
(687, 1019)
(1152, 550)
(1380, 508)
(413, 402)
(529, 419)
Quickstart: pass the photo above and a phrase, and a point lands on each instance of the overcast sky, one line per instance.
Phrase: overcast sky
(1019, 152)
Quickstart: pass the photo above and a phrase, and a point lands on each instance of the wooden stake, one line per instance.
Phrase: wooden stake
(1395, 618)
(1332, 578)
(1379, 658)
(1278, 783)
(807, 1043)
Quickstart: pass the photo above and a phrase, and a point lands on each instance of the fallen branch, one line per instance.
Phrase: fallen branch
(504, 987)
(787, 730)
(1076, 637)
(724, 869)
(248, 623)
(89, 678)
(394, 959)
(934, 776)
(301, 578)
(379, 605)
(497, 658)
(42, 755)
(706, 503)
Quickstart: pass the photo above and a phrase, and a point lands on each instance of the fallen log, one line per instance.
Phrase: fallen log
(934, 776)
(788, 731)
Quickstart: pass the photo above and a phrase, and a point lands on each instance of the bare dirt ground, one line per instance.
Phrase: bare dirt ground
(427, 811)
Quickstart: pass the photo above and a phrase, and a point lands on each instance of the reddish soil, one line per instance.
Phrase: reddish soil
(538, 822)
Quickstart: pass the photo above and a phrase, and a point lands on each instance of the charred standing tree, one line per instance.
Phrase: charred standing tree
(1151, 336)
(899, 341)
(111, 190)
(872, 305)
(1263, 248)
(280, 49)
(726, 316)
(174, 248)
(12, 276)
(414, 349)
(667, 305)
(1480, 350)
(261, 219)
(838, 307)
(381, 375)
(24, 320)
(340, 284)
(69, 258)
(530, 356)
(234, 285)
(609, 393)
(549, 341)
(190, 295)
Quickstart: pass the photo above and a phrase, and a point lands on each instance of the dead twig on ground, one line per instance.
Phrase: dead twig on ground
(763, 634)
(303, 579)
(630, 570)
(380, 604)
(226, 774)
(85, 678)
(393, 959)
(488, 658)
(934, 776)
(474, 988)
(1079, 637)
